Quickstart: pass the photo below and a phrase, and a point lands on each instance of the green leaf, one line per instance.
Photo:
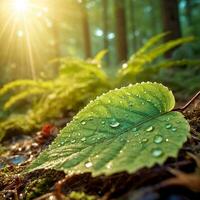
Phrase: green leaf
(123, 130)
(100, 55)
(150, 43)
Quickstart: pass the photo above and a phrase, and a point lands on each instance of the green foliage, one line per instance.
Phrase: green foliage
(77, 82)
(123, 130)
(80, 196)
(141, 66)
(37, 188)
(2, 149)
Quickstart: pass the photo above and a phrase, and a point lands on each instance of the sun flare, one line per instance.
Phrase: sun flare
(21, 6)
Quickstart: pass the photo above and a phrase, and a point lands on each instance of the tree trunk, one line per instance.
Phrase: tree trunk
(86, 30)
(121, 39)
(171, 20)
(105, 27)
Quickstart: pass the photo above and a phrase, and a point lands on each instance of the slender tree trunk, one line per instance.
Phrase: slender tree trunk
(171, 20)
(105, 27)
(86, 30)
(122, 48)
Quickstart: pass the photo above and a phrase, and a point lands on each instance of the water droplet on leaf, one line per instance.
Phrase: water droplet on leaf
(157, 152)
(88, 164)
(158, 139)
(134, 129)
(150, 128)
(109, 165)
(73, 141)
(114, 124)
(168, 126)
(174, 129)
(83, 122)
(144, 140)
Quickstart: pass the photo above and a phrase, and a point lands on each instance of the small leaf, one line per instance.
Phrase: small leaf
(123, 130)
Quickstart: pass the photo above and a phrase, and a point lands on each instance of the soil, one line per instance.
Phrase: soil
(176, 179)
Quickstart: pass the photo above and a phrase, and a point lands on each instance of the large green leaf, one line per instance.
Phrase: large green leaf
(123, 130)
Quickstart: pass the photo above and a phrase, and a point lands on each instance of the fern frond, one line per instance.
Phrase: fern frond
(20, 122)
(24, 83)
(100, 55)
(163, 48)
(23, 95)
(137, 63)
(172, 63)
(150, 43)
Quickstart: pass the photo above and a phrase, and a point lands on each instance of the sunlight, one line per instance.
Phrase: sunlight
(21, 6)
(23, 39)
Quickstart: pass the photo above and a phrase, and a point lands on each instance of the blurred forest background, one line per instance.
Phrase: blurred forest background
(81, 28)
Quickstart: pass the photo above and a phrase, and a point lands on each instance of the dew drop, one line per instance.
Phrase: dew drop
(102, 122)
(83, 139)
(109, 165)
(174, 129)
(134, 129)
(73, 141)
(168, 126)
(62, 143)
(88, 164)
(157, 152)
(114, 124)
(158, 139)
(168, 119)
(83, 122)
(149, 129)
(144, 140)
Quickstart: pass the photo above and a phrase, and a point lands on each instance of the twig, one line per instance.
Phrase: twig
(58, 187)
(188, 103)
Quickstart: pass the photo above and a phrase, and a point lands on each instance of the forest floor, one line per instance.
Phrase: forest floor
(176, 179)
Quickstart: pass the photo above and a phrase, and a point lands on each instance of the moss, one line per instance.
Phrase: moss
(2, 149)
(37, 188)
(81, 196)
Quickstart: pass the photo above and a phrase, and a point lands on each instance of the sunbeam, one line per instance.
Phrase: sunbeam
(25, 32)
